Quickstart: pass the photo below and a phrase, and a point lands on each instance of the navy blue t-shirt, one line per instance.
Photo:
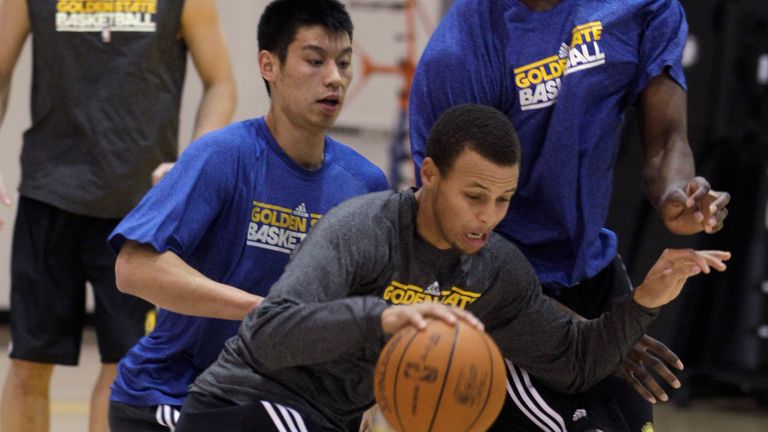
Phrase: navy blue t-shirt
(233, 207)
(564, 77)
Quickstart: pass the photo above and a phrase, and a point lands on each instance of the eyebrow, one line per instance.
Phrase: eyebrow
(478, 185)
(322, 51)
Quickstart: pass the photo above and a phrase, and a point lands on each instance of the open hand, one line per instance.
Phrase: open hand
(665, 279)
(694, 207)
(648, 353)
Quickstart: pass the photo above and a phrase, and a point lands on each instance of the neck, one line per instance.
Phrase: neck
(425, 220)
(540, 5)
(301, 145)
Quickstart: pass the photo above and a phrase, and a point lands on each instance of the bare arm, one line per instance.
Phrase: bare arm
(686, 202)
(167, 281)
(14, 27)
(202, 33)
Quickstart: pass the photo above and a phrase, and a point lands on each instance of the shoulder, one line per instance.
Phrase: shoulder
(644, 8)
(362, 210)
(231, 140)
(364, 214)
(508, 259)
(358, 167)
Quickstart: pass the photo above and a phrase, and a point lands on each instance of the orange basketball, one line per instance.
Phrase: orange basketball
(443, 378)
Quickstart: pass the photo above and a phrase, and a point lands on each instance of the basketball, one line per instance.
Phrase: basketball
(443, 378)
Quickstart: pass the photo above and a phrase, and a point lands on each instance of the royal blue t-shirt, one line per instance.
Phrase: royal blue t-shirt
(234, 207)
(564, 77)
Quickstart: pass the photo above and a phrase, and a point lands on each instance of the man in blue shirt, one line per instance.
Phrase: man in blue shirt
(564, 71)
(211, 238)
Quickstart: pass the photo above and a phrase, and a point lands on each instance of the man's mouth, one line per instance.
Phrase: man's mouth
(330, 102)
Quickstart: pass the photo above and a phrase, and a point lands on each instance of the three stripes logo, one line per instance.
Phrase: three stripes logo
(285, 419)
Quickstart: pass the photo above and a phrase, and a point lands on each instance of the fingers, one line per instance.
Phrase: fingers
(161, 171)
(418, 315)
(715, 208)
(696, 190)
(635, 369)
(677, 259)
(660, 350)
(646, 360)
(666, 278)
(4, 197)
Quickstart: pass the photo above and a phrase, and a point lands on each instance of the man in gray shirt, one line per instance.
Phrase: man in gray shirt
(304, 359)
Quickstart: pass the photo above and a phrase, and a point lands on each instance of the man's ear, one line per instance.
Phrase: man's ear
(429, 172)
(268, 64)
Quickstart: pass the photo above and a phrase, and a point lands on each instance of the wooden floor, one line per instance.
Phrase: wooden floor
(71, 386)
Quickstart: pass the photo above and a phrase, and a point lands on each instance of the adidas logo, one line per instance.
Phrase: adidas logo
(564, 51)
(433, 289)
(579, 414)
(301, 210)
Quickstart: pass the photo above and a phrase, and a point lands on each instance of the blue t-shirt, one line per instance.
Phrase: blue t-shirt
(234, 207)
(564, 77)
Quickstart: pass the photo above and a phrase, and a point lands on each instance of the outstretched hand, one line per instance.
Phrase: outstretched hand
(649, 354)
(4, 197)
(665, 279)
(395, 318)
(694, 207)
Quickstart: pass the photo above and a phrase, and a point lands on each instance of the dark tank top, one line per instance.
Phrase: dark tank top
(106, 93)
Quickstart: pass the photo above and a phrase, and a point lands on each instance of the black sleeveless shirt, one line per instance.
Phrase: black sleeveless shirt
(106, 94)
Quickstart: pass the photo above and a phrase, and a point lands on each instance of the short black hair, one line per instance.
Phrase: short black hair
(480, 128)
(282, 18)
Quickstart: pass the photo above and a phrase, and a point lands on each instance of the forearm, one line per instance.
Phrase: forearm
(567, 353)
(606, 341)
(216, 107)
(672, 165)
(663, 124)
(285, 334)
(170, 283)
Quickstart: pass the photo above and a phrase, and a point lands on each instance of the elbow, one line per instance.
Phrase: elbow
(125, 274)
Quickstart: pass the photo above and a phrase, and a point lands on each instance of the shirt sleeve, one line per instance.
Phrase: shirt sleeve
(568, 355)
(462, 63)
(175, 214)
(319, 308)
(664, 33)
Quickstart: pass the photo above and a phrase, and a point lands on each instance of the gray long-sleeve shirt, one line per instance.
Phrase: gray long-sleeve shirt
(315, 339)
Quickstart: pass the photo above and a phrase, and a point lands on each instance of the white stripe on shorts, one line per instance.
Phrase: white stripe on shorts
(274, 416)
(542, 415)
(167, 415)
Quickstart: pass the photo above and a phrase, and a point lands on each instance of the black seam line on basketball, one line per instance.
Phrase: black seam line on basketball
(445, 377)
(397, 375)
(490, 384)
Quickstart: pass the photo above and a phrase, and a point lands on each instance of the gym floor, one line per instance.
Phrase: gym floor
(71, 388)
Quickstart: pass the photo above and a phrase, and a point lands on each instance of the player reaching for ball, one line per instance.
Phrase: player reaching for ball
(304, 359)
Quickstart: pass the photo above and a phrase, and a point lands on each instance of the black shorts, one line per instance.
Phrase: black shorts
(611, 405)
(129, 418)
(203, 413)
(531, 406)
(54, 253)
